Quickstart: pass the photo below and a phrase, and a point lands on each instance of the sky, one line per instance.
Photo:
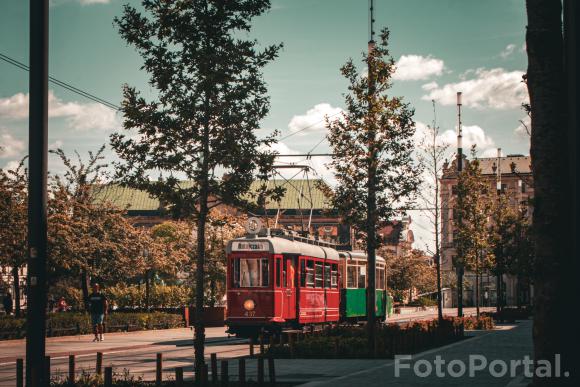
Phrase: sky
(440, 47)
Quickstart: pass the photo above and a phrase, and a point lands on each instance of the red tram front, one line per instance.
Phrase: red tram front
(277, 282)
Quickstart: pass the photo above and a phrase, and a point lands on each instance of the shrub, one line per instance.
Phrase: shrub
(161, 296)
(69, 323)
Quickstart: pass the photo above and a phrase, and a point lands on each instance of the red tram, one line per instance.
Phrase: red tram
(277, 281)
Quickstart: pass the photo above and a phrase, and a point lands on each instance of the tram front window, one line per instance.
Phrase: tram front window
(251, 272)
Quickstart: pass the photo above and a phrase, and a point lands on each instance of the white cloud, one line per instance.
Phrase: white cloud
(314, 119)
(492, 89)
(89, 2)
(417, 67)
(10, 146)
(430, 86)
(524, 127)
(508, 51)
(11, 165)
(490, 152)
(80, 116)
(472, 135)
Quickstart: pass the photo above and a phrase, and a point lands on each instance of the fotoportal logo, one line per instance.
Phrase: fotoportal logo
(477, 365)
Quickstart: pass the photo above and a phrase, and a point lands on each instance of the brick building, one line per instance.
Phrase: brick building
(514, 174)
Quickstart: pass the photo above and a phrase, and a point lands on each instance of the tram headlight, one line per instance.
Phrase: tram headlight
(249, 305)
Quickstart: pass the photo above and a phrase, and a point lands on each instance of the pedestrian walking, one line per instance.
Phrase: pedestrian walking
(98, 310)
(8, 303)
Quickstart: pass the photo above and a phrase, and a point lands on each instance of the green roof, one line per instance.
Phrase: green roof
(299, 194)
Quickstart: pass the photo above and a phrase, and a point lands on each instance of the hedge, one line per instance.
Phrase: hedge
(351, 342)
(69, 323)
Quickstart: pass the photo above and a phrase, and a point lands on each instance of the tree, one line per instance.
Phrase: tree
(473, 234)
(432, 158)
(410, 272)
(14, 221)
(88, 238)
(210, 98)
(372, 160)
(552, 153)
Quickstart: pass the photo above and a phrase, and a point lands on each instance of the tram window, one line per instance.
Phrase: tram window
(362, 275)
(278, 270)
(236, 265)
(284, 281)
(351, 276)
(319, 278)
(303, 273)
(251, 272)
(327, 275)
(380, 278)
(310, 274)
(334, 276)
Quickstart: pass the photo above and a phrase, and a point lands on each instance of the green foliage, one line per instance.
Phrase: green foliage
(71, 323)
(352, 342)
(372, 143)
(162, 296)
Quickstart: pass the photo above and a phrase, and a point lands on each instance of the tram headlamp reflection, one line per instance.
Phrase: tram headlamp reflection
(249, 304)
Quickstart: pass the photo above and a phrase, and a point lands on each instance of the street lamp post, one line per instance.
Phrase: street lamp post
(37, 195)
(459, 260)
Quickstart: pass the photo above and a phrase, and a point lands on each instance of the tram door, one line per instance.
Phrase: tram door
(289, 280)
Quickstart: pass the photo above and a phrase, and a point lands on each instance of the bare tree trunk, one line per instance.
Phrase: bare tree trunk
(546, 86)
(16, 279)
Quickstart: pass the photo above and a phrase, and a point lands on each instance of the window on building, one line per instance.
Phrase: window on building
(453, 190)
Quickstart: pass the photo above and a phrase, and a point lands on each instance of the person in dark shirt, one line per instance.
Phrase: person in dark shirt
(8, 303)
(98, 310)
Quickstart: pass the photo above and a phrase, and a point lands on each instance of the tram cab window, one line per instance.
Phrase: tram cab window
(319, 275)
(351, 276)
(310, 274)
(334, 276)
(380, 277)
(278, 271)
(327, 275)
(251, 272)
(362, 276)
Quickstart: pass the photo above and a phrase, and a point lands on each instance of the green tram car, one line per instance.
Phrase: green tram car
(353, 273)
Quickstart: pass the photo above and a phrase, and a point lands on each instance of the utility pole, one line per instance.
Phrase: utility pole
(459, 260)
(37, 186)
(371, 186)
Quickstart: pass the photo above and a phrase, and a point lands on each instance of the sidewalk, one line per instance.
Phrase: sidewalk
(509, 342)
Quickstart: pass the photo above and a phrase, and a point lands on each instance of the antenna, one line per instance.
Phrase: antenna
(459, 135)
(371, 22)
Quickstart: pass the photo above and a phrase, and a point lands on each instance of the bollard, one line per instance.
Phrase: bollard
(159, 369)
(242, 371)
(336, 346)
(99, 367)
(224, 370)
(260, 371)
(204, 376)
(251, 347)
(261, 340)
(71, 369)
(47, 370)
(271, 371)
(179, 376)
(108, 376)
(214, 368)
(19, 373)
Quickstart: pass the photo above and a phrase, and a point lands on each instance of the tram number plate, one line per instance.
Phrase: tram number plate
(250, 313)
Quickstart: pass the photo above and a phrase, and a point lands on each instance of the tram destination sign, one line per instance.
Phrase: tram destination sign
(250, 246)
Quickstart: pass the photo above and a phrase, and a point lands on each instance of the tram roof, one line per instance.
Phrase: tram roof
(281, 245)
(358, 255)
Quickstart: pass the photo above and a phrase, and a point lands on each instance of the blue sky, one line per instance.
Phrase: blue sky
(442, 46)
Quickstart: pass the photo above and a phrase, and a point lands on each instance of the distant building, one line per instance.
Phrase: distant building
(514, 174)
(397, 236)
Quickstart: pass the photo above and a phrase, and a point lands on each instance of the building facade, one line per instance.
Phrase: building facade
(513, 175)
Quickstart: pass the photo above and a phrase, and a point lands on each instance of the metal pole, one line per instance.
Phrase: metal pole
(459, 170)
(37, 183)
